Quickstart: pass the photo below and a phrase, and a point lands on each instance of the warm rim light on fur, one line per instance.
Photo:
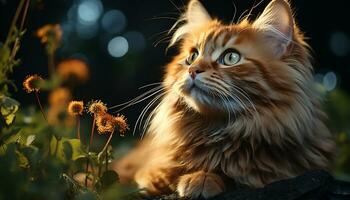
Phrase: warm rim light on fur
(253, 122)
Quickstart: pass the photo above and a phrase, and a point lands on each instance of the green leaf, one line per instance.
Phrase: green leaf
(66, 149)
(22, 160)
(8, 108)
(109, 178)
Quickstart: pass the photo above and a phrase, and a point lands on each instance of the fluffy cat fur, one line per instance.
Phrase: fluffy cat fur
(253, 122)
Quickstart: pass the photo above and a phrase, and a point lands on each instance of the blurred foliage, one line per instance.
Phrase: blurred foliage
(337, 106)
(42, 159)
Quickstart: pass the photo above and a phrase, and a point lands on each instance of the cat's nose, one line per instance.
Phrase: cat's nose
(193, 71)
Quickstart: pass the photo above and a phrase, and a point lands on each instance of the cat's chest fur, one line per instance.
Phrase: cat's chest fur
(236, 150)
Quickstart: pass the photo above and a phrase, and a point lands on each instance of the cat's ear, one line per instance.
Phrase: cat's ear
(195, 16)
(277, 23)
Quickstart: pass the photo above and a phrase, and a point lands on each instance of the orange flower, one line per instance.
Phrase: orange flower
(30, 84)
(105, 123)
(60, 96)
(122, 124)
(50, 32)
(73, 68)
(96, 107)
(75, 108)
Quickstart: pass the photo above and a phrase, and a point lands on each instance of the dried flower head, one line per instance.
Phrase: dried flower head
(60, 96)
(31, 83)
(75, 108)
(122, 124)
(105, 123)
(73, 68)
(50, 33)
(96, 107)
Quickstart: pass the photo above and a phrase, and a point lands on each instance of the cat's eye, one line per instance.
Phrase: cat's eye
(192, 57)
(229, 57)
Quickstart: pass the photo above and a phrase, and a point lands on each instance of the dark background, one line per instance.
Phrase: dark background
(115, 80)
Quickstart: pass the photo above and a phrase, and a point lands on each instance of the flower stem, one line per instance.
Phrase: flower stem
(92, 132)
(40, 106)
(14, 48)
(78, 131)
(86, 171)
(24, 15)
(14, 21)
(56, 147)
(106, 160)
(108, 141)
(51, 64)
(88, 149)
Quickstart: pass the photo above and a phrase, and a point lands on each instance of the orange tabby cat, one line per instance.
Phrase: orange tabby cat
(239, 106)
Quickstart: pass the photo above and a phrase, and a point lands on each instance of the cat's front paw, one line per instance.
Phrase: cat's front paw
(200, 184)
(157, 180)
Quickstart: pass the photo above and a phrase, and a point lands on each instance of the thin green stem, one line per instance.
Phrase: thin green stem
(14, 21)
(92, 132)
(78, 131)
(88, 149)
(106, 160)
(86, 171)
(56, 147)
(51, 63)
(108, 141)
(24, 15)
(14, 48)
(40, 106)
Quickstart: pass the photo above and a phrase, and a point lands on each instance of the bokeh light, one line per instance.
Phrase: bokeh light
(330, 81)
(118, 47)
(89, 11)
(340, 43)
(137, 41)
(86, 31)
(318, 78)
(113, 21)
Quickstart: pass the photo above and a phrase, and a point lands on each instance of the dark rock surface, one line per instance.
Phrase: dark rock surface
(309, 186)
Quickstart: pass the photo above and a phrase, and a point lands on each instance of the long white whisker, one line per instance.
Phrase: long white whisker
(138, 101)
(136, 98)
(234, 15)
(151, 84)
(147, 107)
(145, 126)
(144, 110)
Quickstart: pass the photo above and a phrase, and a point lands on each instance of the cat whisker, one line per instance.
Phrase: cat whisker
(147, 97)
(139, 99)
(151, 84)
(146, 124)
(177, 8)
(163, 17)
(246, 96)
(147, 107)
(254, 6)
(143, 112)
(234, 15)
